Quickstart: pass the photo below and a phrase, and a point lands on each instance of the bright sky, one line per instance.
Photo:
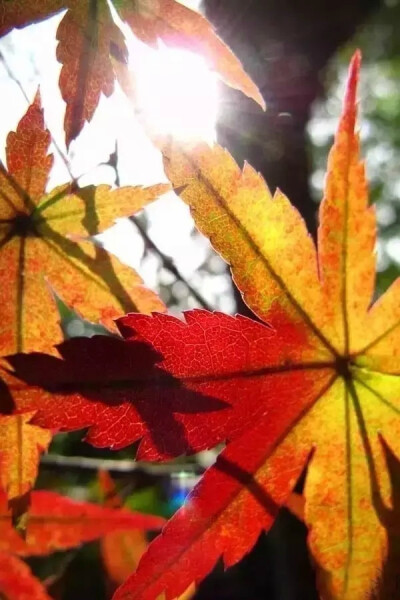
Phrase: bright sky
(180, 97)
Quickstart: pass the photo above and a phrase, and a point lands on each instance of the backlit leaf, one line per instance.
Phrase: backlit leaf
(86, 34)
(318, 386)
(346, 429)
(57, 523)
(17, 581)
(20, 446)
(178, 25)
(89, 39)
(17, 13)
(121, 550)
(182, 395)
(42, 237)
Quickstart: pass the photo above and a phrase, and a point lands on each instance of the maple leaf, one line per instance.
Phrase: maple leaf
(349, 495)
(20, 446)
(56, 522)
(179, 387)
(43, 235)
(319, 385)
(121, 550)
(178, 25)
(89, 39)
(17, 580)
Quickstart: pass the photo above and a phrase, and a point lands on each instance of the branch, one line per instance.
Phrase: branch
(166, 261)
(118, 466)
(169, 264)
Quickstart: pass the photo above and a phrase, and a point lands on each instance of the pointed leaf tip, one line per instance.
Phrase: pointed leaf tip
(37, 101)
(352, 83)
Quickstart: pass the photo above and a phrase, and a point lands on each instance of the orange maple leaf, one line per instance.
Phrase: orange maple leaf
(89, 39)
(17, 581)
(121, 550)
(55, 523)
(344, 432)
(43, 236)
(20, 446)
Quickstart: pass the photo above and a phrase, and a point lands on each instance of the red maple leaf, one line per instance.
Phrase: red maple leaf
(319, 383)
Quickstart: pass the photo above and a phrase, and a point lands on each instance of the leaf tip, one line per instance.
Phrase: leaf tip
(37, 101)
(260, 100)
(352, 80)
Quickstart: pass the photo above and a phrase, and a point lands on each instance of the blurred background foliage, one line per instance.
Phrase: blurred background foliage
(299, 55)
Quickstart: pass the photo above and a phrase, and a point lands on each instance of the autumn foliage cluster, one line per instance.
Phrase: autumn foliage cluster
(312, 383)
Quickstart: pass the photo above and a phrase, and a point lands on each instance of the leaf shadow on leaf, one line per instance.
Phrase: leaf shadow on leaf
(7, 404)
(19, 512)
(7, 237)
(388, 584)
(112, 372)
(248, 481)
(27, 201)
(100, 265)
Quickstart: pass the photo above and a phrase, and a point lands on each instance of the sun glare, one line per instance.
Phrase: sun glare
(177, 93)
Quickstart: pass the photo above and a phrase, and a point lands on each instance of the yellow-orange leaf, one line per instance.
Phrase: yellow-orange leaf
(350, 426)
(257, 233)
(176, 24)
(20, 446)
(42, 237)
(17, 582)
(89, 38)
(121, 552)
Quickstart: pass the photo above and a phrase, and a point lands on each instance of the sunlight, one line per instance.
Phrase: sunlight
(176, 92)
(178, 95)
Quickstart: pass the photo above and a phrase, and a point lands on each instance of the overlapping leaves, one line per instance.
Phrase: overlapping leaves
(89, 40)
(55, 523)
(348, 491)
(121, 550)
(42, 239)
(318, 385)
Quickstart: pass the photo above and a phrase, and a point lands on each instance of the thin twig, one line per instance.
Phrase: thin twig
(169, 264)
(120, 466)
(166, 261)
